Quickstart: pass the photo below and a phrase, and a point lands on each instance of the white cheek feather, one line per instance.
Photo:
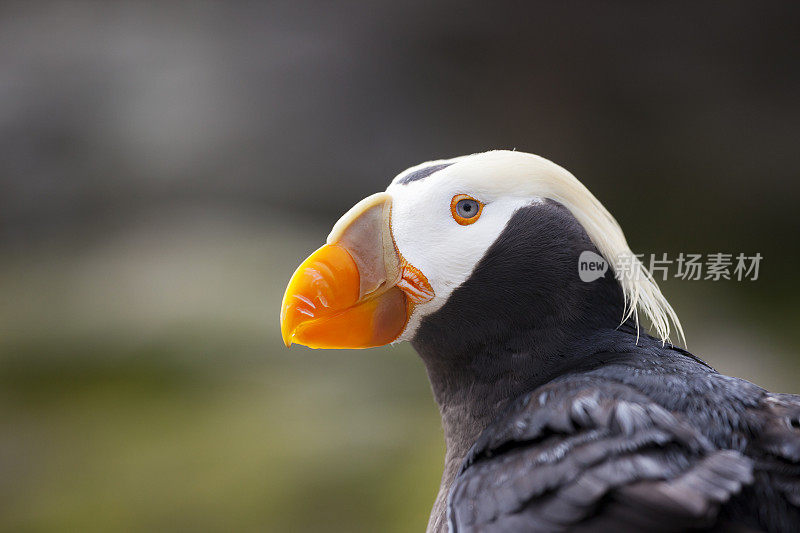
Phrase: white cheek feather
(447, 252)
(430, 239)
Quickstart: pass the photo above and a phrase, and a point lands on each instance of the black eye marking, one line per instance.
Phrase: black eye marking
(422, 173)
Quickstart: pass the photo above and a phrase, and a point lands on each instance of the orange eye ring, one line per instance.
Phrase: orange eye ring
(458, 211)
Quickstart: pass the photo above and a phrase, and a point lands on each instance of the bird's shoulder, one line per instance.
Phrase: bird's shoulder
(592, 452)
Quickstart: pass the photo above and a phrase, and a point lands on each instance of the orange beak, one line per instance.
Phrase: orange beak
(356, 291)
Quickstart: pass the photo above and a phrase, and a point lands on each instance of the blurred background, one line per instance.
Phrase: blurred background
(164, 166)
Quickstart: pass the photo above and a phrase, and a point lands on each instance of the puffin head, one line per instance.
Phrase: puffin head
(487, 242)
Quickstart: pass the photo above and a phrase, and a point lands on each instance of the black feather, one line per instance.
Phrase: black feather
(422, 173)
(559, 419)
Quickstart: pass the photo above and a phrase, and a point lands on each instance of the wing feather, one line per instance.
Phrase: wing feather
(581, 454)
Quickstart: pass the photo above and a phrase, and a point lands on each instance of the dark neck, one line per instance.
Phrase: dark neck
(471, 394)
(520, 320)
(474, 379)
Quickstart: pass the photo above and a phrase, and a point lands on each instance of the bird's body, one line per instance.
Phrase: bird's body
(559, 413)
(636, 437)
(562, 420)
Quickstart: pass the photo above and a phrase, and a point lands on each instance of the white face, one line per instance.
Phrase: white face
(445, 248)
(430, 238)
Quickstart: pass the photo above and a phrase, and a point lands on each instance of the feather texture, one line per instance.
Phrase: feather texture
(588, 452)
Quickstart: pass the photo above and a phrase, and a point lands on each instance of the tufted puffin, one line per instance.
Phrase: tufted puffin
(560, 412)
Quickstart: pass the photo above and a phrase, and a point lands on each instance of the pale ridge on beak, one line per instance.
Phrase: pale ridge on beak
(356, 291)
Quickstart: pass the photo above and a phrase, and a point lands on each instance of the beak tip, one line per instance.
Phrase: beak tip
(287, 334)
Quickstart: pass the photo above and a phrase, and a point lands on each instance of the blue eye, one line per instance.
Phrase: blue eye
(465, 209)
(468, 208)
